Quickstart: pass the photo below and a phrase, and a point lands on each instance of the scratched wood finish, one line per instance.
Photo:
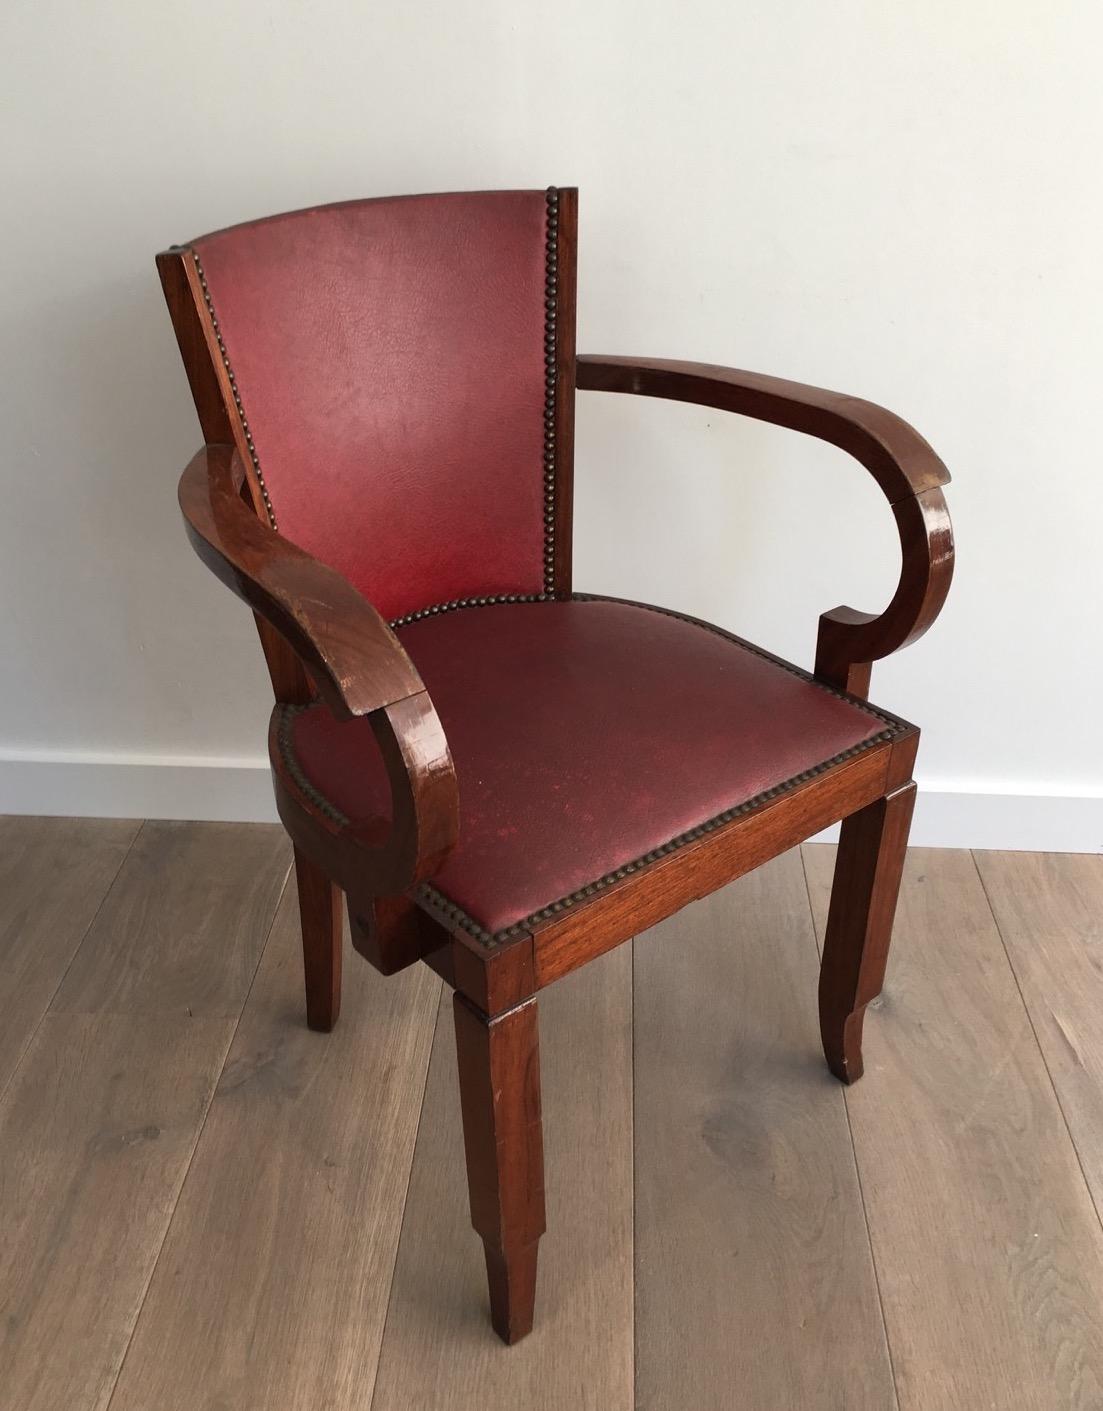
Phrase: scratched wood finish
(986, 1243)
(754, 1281)
(439, 1349)
(54, 873)
(100, 1121)
(271, 1291)
(1049, 908)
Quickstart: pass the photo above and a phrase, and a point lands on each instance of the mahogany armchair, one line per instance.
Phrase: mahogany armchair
(506, 778)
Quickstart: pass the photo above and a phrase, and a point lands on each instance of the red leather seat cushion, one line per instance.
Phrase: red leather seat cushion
(585, 734)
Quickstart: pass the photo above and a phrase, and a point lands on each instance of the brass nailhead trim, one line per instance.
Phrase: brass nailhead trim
(691, 835)
(233, 386)
(551, 292)
(456, 914)
(285, 715)
(883, 715)
(491, 600)
(551, 367)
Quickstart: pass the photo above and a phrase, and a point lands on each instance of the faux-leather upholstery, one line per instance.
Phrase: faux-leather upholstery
(389, 359)
(584, 734)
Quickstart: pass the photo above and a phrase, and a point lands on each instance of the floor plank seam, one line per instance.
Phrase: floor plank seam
(811, 909)
(858, 1174)
(72, 960)
(406, 1196)
(1020, 1344)
(1037, 1040)
(872, 1256)
(200, 1128)
(632, 1070)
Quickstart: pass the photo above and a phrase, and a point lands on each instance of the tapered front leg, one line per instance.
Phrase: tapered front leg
(499, 1062)
(320, 913)
(868, 868)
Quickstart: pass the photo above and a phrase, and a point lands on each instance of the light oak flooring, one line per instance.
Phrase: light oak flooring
(206, 1207)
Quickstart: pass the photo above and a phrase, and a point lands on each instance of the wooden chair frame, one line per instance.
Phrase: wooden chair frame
(322, 637)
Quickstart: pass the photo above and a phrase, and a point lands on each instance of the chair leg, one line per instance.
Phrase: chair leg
(320, 913)
(868, 868)
(499, 1062)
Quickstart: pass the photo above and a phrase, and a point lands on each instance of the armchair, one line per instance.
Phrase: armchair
(503, 777)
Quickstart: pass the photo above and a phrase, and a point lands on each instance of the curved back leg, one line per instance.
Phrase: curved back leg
(868, 868)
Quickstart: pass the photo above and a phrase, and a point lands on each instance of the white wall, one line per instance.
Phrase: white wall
(898, 200)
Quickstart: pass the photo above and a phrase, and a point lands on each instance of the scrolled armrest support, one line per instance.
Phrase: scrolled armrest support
(905, 467)
(356, 662)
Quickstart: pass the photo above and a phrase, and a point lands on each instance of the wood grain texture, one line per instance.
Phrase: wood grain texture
(201, 356)
(754, 1282)
(272, 1284)
(988, 1250)
(393, 933)
(893, 452)
(1049, 909)
(271, 1291)
(499, 1076)
(54, 873)
(182, 929)
(96, 1133)
(868, 866)
(222, 424)
(354, 658)
(439, 1349)
(359, 668)
(100, 1121)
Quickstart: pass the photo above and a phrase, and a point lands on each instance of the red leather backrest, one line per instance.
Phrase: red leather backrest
(389, 358)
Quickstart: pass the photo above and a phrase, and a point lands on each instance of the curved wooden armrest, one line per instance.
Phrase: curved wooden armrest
(357, 663)
(355, 659)
(902, 463)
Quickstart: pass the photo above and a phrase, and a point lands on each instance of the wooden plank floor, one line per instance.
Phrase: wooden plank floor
(749, 1219)
(204, 1205)
(988, 1249)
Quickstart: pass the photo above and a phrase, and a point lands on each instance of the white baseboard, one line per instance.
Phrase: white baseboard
(232, 790)
(947, 815)
(994, 818)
